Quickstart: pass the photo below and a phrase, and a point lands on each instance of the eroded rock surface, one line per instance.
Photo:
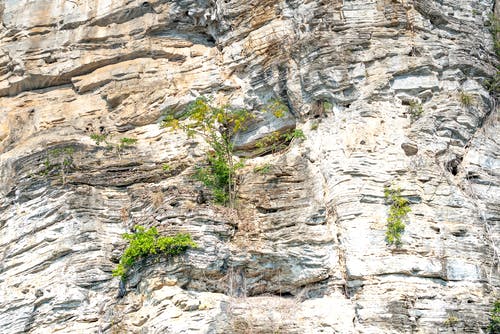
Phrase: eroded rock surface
(376, 86)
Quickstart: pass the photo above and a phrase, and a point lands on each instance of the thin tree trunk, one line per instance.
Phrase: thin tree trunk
(229, 157)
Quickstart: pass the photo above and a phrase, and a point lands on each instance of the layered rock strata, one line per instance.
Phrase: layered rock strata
(387, 93)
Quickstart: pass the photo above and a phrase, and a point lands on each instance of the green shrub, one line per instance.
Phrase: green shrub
(98, 138)
(144, 243)
(218, 176)
(398, 212)
(125, 141)
(494, 326)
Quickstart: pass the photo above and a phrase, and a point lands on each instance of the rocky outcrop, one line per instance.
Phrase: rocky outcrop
(386, 93)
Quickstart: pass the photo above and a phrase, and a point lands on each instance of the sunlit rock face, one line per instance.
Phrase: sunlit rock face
(387, 92)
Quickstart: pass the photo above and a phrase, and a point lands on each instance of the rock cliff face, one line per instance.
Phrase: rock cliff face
(387, 92)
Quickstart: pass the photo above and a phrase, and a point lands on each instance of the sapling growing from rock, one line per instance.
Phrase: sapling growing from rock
(59, 161)
(398, 212)
(416, 110)
(98, 138)
(123, 142)
(217, 125)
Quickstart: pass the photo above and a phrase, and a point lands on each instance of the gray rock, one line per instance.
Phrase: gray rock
(409, 148)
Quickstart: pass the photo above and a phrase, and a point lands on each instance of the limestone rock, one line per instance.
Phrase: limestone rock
(305, 250)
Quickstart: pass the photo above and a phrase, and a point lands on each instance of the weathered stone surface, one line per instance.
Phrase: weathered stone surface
(409, 148)
(305, 251)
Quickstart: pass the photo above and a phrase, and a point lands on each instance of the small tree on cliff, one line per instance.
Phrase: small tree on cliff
(217, 125)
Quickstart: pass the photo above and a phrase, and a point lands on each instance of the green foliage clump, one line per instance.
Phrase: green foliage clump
(98, 138)
(123, 142)
(126, 141)
(494, 326)
(328, 106)
(416, 110)
(398, 212)
(217, 125)
(219, 176)
(144, 242)
(277, 141)
(466, 99)
(263, 169)
(295, 134)
(451, 321)
(270, 143)
(277, 108)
